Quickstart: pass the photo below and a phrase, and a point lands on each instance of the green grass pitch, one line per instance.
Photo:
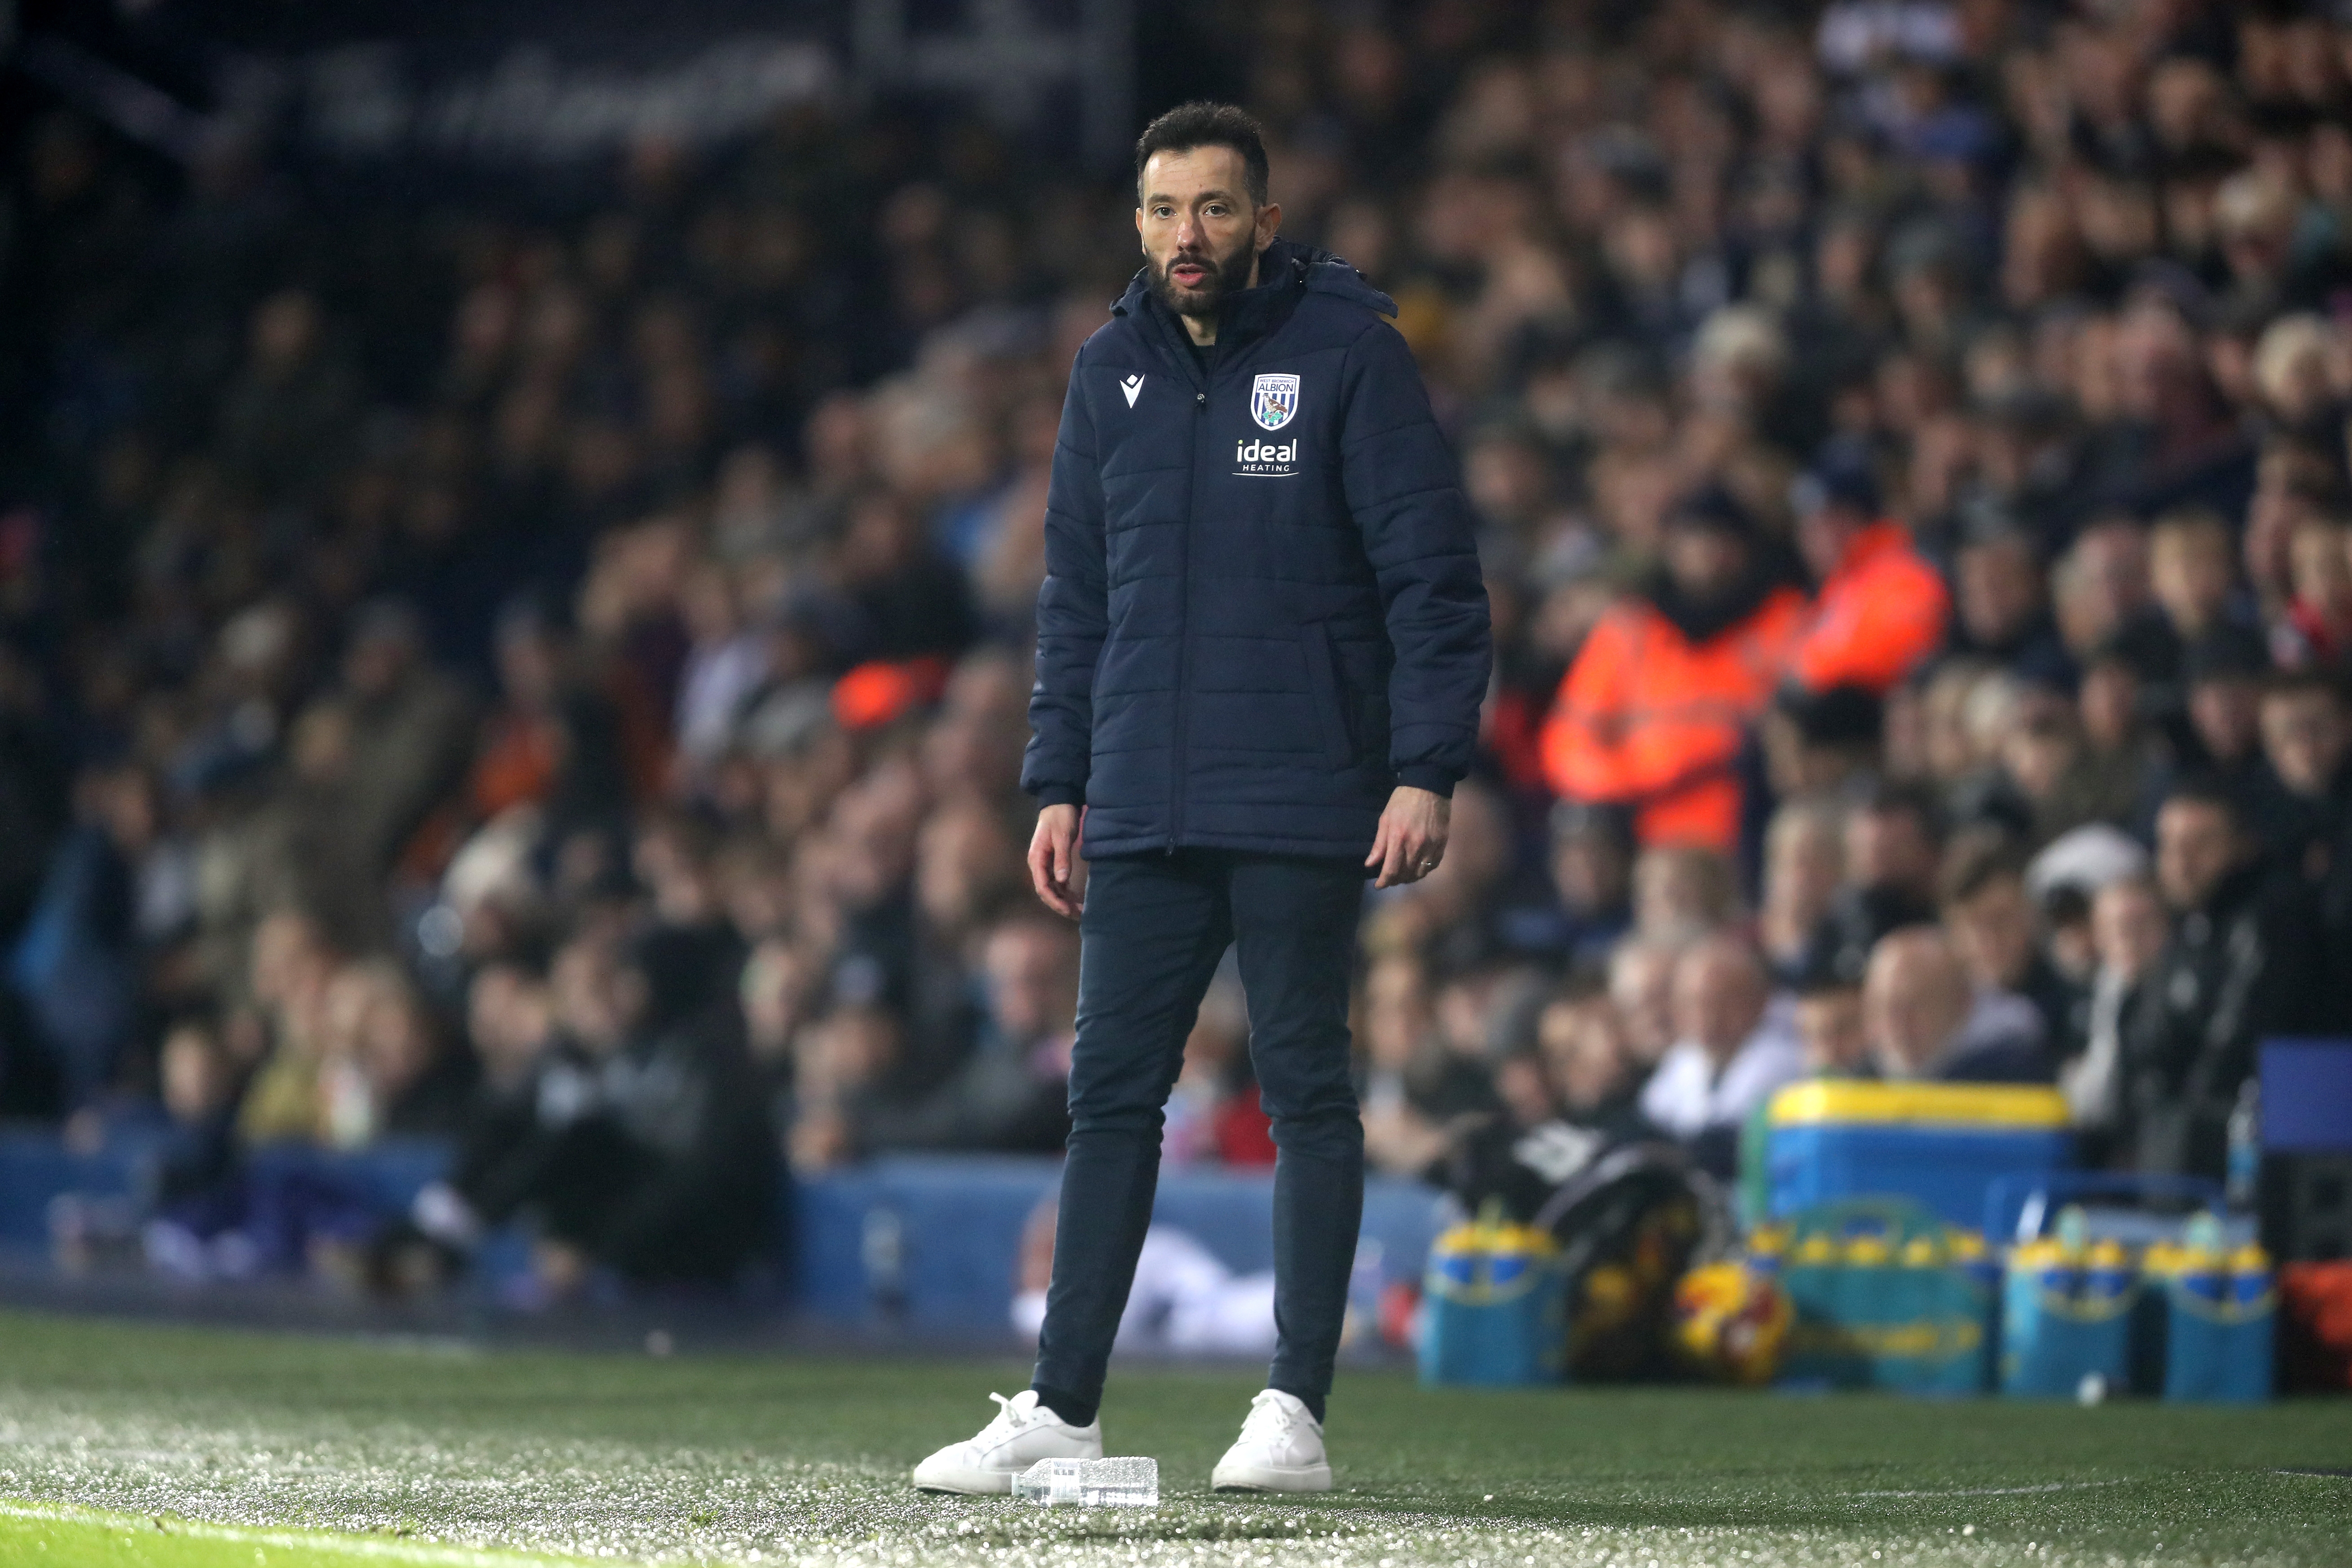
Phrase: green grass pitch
(136, 1446)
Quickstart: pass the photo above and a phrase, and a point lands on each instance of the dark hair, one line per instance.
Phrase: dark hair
(1976, 861)
(2207, 790)
(2306, 683)
(1205, 124)
(1894, 797)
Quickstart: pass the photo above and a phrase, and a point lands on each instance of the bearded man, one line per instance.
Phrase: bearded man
(1262, 644)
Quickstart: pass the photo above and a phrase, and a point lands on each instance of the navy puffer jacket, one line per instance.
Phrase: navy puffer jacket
(1261, 607)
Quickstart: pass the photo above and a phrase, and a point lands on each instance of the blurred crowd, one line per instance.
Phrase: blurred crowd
(550, 676)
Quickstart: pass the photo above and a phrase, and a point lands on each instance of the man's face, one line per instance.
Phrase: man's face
(1030, 982)
(2000, 588)
(2129, 927)
(2304, 734)
(1704, 563)
(1993, 929)
(1889, 849)
(1718, 1000)
(2196, 847)
(1830, 1026)
(1201, 232)
(2226, 713)
(1915, 997)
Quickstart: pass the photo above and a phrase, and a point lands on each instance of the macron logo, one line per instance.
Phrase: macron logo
(1132, 386)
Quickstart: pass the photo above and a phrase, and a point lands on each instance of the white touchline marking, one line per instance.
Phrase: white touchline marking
(2003, 1491)
(348, 1545)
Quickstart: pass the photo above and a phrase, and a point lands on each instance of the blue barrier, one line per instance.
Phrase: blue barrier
(36, 1168)
(926, 1243)
(933, 1242)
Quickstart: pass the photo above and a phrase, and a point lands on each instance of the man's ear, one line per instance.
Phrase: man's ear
(1269, 223)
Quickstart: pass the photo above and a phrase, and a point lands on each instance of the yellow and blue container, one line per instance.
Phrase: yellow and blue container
(1494, 1306)
(2067, 1314)
(2220, 1313)
(1941, 1146)
(1885, 1296)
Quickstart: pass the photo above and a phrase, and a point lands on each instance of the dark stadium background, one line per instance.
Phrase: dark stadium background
(519, 525)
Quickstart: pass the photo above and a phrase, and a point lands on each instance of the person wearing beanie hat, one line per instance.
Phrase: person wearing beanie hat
(1654, 713)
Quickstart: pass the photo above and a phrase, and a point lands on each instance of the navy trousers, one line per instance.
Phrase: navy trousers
(1154, 930)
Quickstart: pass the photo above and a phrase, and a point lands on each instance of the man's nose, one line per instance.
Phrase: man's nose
(1187, 232)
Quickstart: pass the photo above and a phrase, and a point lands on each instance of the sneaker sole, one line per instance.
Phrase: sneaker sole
(984, 1486)
(1273, 1478)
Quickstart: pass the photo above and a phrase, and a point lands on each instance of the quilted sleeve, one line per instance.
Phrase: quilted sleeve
(1406, 501)
(1073, 613)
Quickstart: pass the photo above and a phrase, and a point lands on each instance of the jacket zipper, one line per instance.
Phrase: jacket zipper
(1184, 618)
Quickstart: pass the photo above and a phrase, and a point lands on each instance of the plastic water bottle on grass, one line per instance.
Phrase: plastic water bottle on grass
(1090, 1483)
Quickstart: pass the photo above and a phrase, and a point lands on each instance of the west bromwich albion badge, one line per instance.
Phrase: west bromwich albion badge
(1274, 399)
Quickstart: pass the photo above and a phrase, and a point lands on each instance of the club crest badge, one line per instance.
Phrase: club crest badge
(1273, 400)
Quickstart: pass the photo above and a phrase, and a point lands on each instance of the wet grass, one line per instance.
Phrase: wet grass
(437, 1454)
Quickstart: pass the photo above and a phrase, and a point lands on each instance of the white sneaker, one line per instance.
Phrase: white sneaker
(1022, 1433)
(1280, 1451)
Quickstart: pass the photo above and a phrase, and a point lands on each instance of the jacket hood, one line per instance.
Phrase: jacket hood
(1284, 262)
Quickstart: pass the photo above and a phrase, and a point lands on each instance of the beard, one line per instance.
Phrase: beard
(1226, 275)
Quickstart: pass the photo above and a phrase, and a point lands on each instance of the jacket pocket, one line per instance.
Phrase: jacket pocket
(1330, 702)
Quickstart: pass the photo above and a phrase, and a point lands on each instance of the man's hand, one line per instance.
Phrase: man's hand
(1053, 860)
(1410, 844)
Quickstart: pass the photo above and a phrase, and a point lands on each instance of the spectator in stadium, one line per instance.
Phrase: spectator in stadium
(1593, 876)
(2314, 632)
(1651, 715)
(1413, 1088)
(649, 1152)
(1642, 989)
(1894, 849)
(1881, 608)
(2130, 928)
(1995, 928)
(1927, 1022)
(1011, 1095)
(1729, 1052)
(409, 728)
(1804, 863)
(75, 968)
(708, 446)
(1582, 1043)
(2244, 962)
(1682, 892)
(1832, 1033)
(2001, 593)
(2306, 740)
(2192, 569)
(198, 1193)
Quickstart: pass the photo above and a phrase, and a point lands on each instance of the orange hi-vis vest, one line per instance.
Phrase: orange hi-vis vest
(1649, 721)
(1881, 613)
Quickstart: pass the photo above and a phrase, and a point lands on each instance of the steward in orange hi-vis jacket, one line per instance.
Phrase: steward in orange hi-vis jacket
(1883, 609)
(1654, 711)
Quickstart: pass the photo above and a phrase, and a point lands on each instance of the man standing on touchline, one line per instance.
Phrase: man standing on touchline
(1262, 644)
